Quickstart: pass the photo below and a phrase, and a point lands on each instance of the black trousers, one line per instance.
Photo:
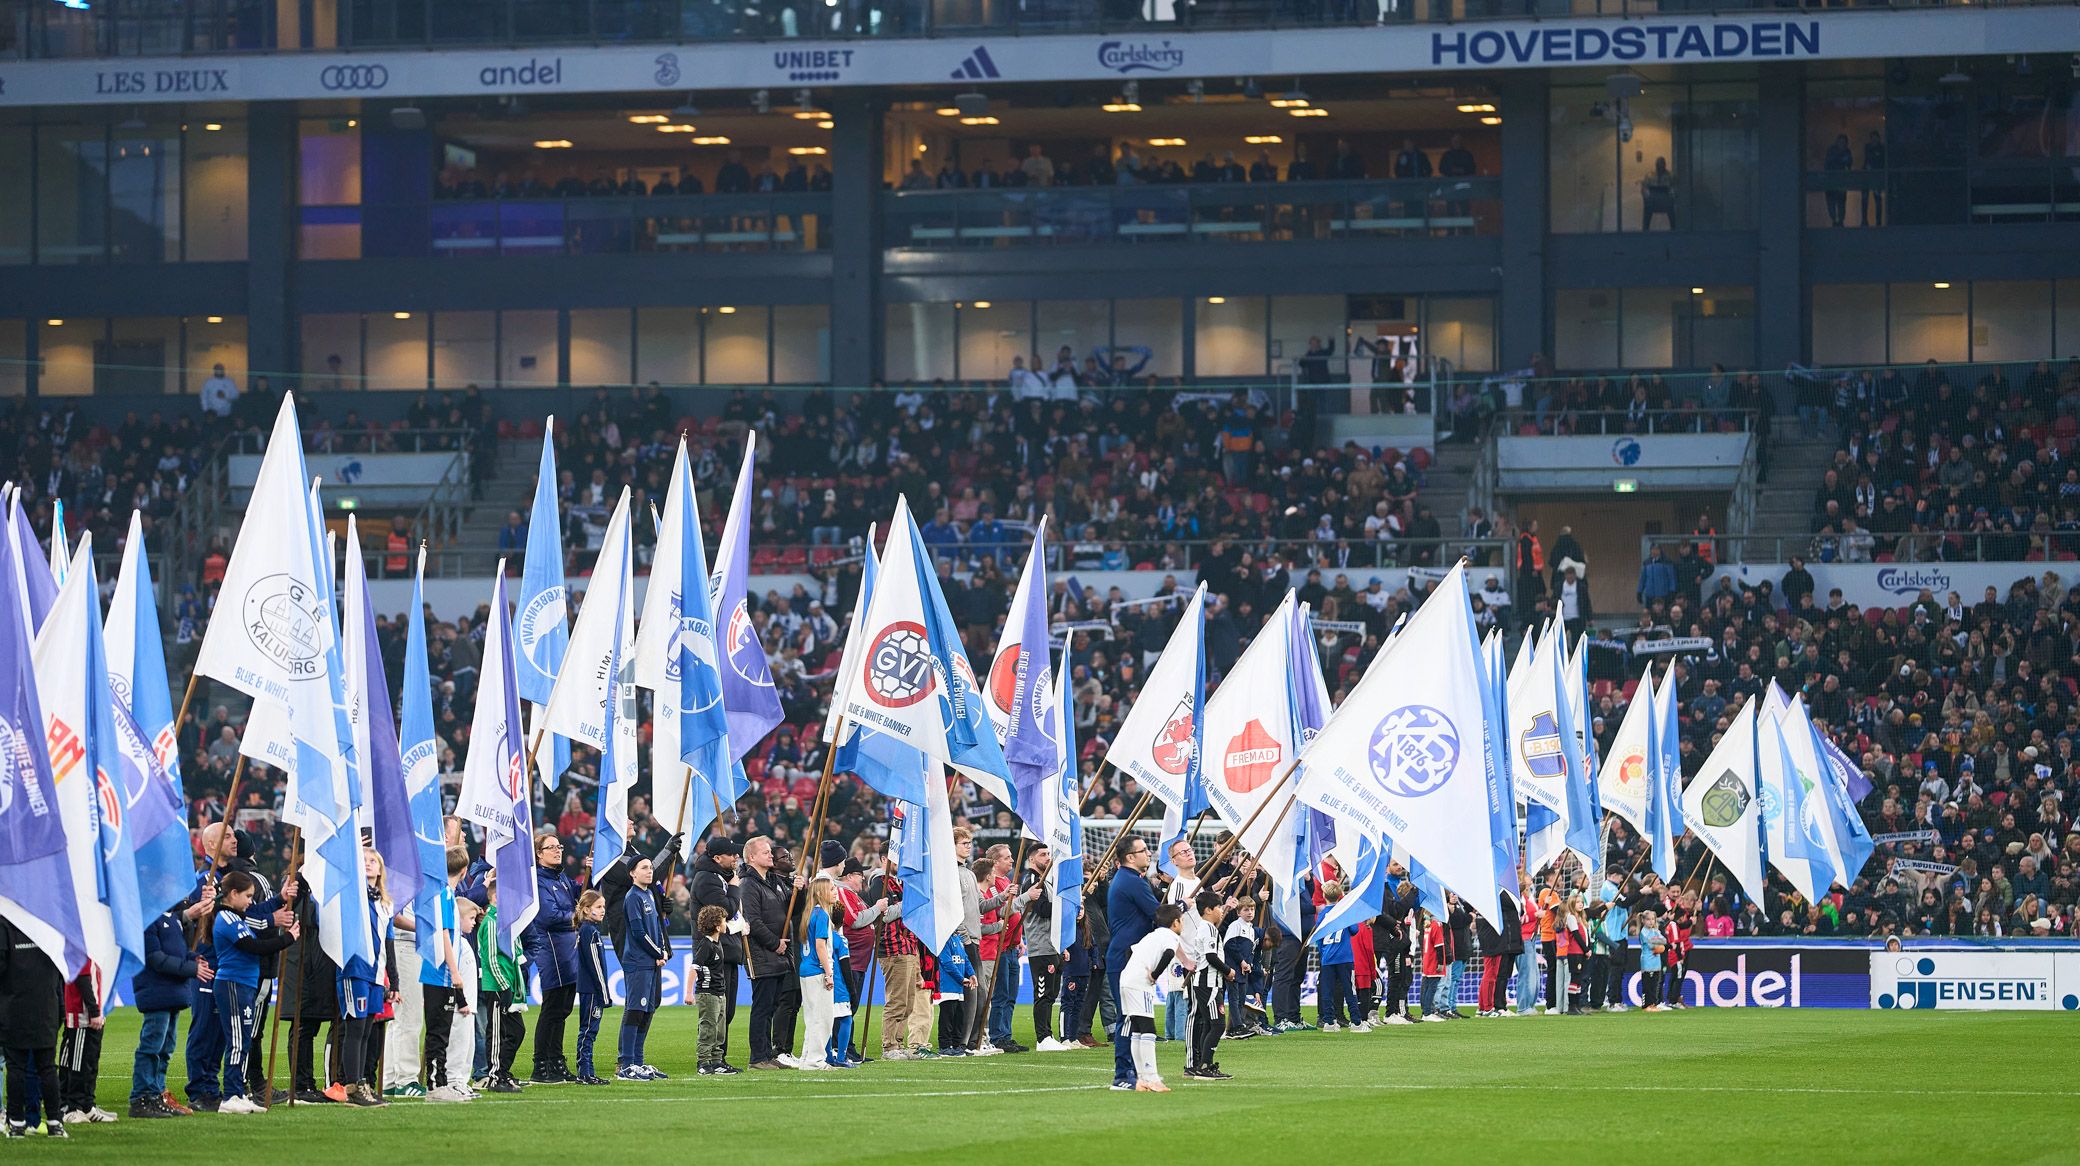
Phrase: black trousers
(508, 1029)
(1088, 1002)
(1206, 1023)
(1401, 976)
(354, 1059)
(729, 1003)
(79, 1065)
(953, 1024)
(1614, 987)
(1289, 966)
(1599, 975)
(788, 1011)
(23, 1064)
(548, 1031)
(1547, 949)
(303, 1075)
(855, 984)
(765, 1002)
(1047, 988)
(256, 1051)
(439, 1007)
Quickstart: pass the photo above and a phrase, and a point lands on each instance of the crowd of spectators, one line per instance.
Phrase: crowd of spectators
(1932, 470)
(1126, 166)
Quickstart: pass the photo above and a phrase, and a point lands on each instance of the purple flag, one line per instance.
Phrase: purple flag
(748, 695)
(34, 870)
(35, 571)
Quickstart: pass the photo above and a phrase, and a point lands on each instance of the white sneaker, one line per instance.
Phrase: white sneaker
(98, 1114)
(239, 1105)
(788, 1060)
(1434, 1018)
(76, 1117)
(1619, 1008)
(811, 1066)
(1047, 1044)
(447, 1093)
(986, 1050)
(1398, 1018)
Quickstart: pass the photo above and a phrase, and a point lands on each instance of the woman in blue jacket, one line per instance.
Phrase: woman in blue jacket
(551, 944)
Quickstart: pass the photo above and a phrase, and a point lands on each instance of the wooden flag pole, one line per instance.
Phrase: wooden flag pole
(717, 799)
(274, 1030)
(1222, 852)
(180, 720)
(823, 790)
(238, 770)
(1132, 817)
(1291, 801)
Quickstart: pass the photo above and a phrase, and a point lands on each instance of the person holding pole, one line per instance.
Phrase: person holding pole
(1130, 911)
(765, 914)
(551, 944)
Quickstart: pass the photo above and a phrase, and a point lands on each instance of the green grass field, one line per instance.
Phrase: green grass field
(1706, 1085)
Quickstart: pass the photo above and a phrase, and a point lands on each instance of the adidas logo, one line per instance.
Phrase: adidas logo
(978, 67)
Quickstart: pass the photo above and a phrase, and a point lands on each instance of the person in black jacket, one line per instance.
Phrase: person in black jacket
(31, 988)
(1500, 946)
(764, 897)
(551, 943)
(310, 997)
(1459, 920)
(1391, 939)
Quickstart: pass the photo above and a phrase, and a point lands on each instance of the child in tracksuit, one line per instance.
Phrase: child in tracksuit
(643, 951)
(837, 1051)
(1437, 958)
(1239, 949)
(592, 980)
(712, 977)
(1209, 975)
(239, 950)
(160, 992)
(79, 1052)
(498, 980)
(1364, 976)
(956, 976)
(1333, 990)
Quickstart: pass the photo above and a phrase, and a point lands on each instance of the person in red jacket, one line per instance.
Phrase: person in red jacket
(1437, 959)
(1364, 976)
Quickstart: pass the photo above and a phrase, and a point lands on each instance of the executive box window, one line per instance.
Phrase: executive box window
(718, 345)
(123, 189)
(1678, 157)
(1653, 327)
(130, 354)
(1948, 321)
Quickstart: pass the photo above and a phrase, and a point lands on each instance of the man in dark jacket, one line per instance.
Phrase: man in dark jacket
(551, 944)
(764, 898)
(1130, 910)
(1395, 913)
(30, 990)
(310, 997)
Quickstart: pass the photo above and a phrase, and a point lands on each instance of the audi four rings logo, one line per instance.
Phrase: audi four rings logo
(360, 78)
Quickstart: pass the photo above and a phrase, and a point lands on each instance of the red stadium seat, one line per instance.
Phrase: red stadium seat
(1419, 458)
(1528, 429)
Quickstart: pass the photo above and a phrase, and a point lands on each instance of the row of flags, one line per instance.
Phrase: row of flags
(1424, 765)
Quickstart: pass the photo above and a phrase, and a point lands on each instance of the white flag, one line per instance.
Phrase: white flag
(61, 679)
(1623, 781)
(1403, 758)
(594, 698)
(1252, 735)
(1158, 741)
(1723, 807)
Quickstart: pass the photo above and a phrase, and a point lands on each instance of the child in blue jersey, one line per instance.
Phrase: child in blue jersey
(643, 951)
(239, 948)
(1336, 1002)
(592, 980)
(956, 976)
(1653, 960)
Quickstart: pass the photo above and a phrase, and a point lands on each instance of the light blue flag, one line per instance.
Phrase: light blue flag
(1020, 689)
(120, 889)
(36, 889)
(419, 757)
(154, 813)
(1850, 832)
(335, 842)
(1502, 807)
(1584, 819)
(541, 632)
(748, 695)
(1664, 777)
(1364, 892)
(1799, 843)
(1065, 824)
(694, 676)
(1309, 694)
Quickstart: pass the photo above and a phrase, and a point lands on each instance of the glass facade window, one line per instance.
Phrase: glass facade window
(465, 348)
(129, 191)
(602, 346)
(918, 342)
(328, 171)
(14, 357)
(801, 344)
(1849, 323)
(1297, 319)
(668, 346)
(17, 192)
(213, 191)
(1653, 328)
(991, 333)
(331, 349)
(1084, 326)
(66, 350)
(735, 348)
(527, 348)
(141, 355)
(395, 350)
(1228, 336)
(2011, 320)
(1155, 325)
(1845, 145)
(2065, 317)
(1980, 320)
(1930, 322)
(1461, 331)
(208, 342)
(1678, 157)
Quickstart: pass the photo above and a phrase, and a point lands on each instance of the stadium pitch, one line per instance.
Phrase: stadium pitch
(1701, 1086)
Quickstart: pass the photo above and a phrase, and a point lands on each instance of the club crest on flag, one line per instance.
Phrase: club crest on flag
(1004, 675)
(743, 644)
(1414, 750)
(900, 668)
(1541, 741)
(1172, 750)
(1771, 807)
(542, 614)
(1632, 769)
(283, 618)
(1724, 802)
(111, 800)
(1251, 758)
(516, 766)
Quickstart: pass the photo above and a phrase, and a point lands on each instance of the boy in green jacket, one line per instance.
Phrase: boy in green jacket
(498, 994)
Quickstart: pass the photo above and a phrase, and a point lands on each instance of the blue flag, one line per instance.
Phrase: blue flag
(154, 812)
(1065, 822)
(36, 890)
(884, 763)
(1577, 743)
(748, 695)
(541, 634)
(1664, 776)
(419, 760)
(694, 675)
(1502, 807)
(1364, 893)
(1019, 690)
(33, 570)
(120, 890)
(1851, 836)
